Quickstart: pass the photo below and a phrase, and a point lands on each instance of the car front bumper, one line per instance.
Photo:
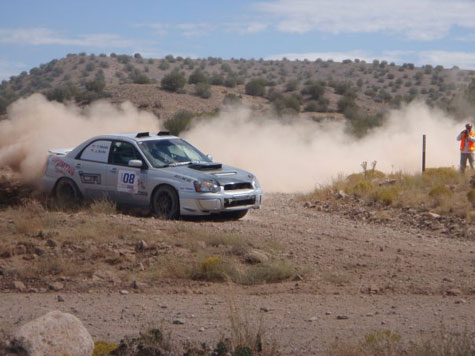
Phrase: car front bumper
(213, 203)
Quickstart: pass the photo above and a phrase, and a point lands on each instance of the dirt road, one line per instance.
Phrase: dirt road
(357, 278)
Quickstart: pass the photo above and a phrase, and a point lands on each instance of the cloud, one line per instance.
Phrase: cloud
(204, 29)
(390, 56)
(422, 20)
(464, 60)
(44, 36)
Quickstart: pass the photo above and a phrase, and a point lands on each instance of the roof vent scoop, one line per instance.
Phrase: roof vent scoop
(163, 133)
(142, 134)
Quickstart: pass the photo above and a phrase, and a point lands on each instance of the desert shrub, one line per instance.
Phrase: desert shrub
(230, 82)
(141, 78)
(225, 67)
(269, 272)
(291, 85)
(214, 269)
(311, 106)
(440, 192)
(198, 76)
(442, 175)
(471, 197)
(216, 79)
(346, 103)
(97, 85)
(169, 58)
(387, 195)
(203, 90)
(256, 87)
(314, 90)
(289, 102)
(102, 206)
(103, 348)
(164, 65)
(173, 81)
(64, 93)
(179, 122)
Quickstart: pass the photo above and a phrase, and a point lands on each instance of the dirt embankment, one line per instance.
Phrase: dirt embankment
(352, 275)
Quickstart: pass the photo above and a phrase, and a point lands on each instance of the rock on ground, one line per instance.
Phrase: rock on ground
(54, 333)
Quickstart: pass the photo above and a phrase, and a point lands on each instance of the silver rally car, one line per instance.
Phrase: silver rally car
(162, 172)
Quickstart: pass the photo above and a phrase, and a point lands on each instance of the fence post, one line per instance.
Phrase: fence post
(423, 153)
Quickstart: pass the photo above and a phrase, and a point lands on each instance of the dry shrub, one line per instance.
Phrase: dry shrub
(215, 269)
(103, 348)
(386, 195)
(471, 197)
(102, 206)
(336, 278)
(388, 343)
(268, 272)
(248, 338)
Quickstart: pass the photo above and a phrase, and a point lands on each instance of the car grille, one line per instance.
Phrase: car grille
(236, 186)
(229, 203)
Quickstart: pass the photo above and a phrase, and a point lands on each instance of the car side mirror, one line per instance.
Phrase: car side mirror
(210, 157)
(135, 163)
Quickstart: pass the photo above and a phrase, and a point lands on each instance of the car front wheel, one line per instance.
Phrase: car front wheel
(165, 203)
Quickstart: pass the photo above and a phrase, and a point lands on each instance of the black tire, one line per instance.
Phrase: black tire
(66, 194)
(234, 215)
(165, 203)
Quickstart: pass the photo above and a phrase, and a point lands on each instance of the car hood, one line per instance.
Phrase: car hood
(223, 174)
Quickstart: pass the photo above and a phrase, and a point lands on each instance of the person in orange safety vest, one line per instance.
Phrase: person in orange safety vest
(467, 147)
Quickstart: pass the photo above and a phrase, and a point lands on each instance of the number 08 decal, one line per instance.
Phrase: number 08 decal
(128, 182)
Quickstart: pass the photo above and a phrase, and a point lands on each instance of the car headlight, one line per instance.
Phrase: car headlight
(207, 186)
(255, 183)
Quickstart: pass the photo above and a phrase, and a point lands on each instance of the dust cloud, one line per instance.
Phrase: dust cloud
(35, 125)
(286, 155)
(298, 156)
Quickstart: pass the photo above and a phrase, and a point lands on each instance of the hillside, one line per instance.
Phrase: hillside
(359, 91)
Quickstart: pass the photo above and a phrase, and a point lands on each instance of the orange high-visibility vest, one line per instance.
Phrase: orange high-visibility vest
(471, 145)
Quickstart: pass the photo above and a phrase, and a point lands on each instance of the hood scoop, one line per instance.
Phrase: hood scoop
(205, 166)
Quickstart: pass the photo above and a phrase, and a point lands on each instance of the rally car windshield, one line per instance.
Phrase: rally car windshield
(174, 152)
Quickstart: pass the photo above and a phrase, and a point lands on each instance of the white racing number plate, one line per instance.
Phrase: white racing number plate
(128, 182)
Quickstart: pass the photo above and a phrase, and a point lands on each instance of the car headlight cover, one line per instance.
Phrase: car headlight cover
(255, 182)
(207, 186)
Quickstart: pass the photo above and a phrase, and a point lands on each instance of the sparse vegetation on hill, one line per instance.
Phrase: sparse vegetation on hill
(361, 91)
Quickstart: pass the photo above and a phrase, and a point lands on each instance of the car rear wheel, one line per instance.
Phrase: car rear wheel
(165, 203)
(66, 194)
(234, 215)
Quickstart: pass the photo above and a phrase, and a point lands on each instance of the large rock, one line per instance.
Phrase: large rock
(55, 333)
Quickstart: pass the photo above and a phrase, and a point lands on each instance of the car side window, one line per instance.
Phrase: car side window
(122, 152)
(97, 151)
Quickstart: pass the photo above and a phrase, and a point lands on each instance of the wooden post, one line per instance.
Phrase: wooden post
(423, 153)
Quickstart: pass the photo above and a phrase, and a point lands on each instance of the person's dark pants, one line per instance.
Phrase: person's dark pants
(463, 161)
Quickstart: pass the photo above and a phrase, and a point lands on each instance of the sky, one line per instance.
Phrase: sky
(437, 32)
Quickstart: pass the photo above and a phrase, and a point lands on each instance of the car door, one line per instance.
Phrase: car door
(91, 167)
(127, 184)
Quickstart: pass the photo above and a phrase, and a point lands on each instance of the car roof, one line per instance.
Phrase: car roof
(139, 136)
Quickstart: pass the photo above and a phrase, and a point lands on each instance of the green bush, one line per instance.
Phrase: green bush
(440, 192)
(179, 122)
(173, 81)
(256, 87)
(203, 90)
(141, 79)
(216, 79)
(97, 85)
(197, 76)
(314, 90)
(291, 85)
(164, 65)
